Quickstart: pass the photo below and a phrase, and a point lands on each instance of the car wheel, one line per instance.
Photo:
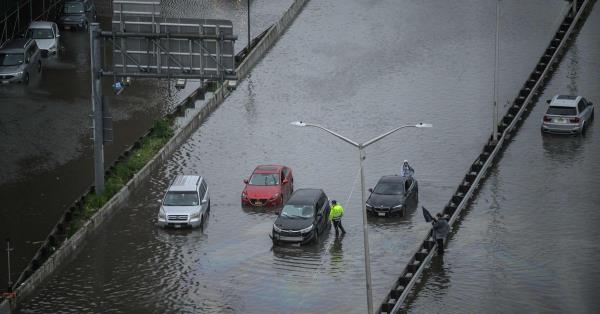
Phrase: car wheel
(316, 237)
(39, 66)
(26, 79)
(592, 116)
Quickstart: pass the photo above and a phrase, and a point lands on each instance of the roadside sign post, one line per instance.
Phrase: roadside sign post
(146, 45)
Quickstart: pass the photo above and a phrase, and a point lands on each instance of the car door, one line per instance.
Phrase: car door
(408, 188)
(203, 193)
(320, 214)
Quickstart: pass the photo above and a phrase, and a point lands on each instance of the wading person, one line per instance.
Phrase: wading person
(406, 170)
(441, 228)
(335, 215)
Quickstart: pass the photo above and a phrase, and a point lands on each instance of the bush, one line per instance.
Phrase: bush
(161, 132)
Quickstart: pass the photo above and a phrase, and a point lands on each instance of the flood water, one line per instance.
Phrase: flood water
(529, 241)
(45, 148)
(359, 68)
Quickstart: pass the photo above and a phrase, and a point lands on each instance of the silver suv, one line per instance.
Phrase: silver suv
(186, 203)
(567, 114)
(18, 59)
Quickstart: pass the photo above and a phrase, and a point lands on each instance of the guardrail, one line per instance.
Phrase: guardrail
(421, 257)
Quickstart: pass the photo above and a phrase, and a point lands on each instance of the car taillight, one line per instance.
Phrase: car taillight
(574, 120)
(547, 119)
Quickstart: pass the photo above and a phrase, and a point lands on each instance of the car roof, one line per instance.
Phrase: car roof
(392, 179)
(15, 45)
(41, 24)
(305, 196)
(267, 168)
(185, 183)
(565, 101)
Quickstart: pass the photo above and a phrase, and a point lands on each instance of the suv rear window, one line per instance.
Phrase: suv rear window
(562, 111)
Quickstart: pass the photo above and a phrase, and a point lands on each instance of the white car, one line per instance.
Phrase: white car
(46, 35)
(186, 203)
(567, 114)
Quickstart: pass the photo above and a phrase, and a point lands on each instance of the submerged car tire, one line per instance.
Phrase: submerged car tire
(26, 79)
(39, 66)
(316, 237)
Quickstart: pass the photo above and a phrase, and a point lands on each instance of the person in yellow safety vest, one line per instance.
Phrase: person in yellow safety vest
(335, 215)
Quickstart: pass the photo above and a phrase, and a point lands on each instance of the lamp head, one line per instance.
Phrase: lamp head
(298, 123)
(424, 125)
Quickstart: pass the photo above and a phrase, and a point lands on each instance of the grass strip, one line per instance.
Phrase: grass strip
(123, 171)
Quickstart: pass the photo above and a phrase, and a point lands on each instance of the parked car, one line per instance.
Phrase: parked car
(46, 36)
(77, 14)
(186, 203)
(269, 185)
(18, 59)
(303, 218)
(567, 114)
(392, 195)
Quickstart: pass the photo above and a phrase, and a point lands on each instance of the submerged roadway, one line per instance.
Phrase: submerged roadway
(354, 67)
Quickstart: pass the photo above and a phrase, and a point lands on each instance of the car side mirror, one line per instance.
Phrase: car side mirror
(370, 190)
(246, 181)
(27, 60)
(203, 202)
(159, 201)
(548, 101)
(286, 181)
(57, 35)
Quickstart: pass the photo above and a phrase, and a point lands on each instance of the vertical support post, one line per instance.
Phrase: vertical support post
(30, 12)
(574, 8)
(496, 57)
(248, 50)
(8, 249)
(363, 208)
(97, 114)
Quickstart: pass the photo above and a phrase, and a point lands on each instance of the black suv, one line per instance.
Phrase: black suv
(303, 218)
(77, 14)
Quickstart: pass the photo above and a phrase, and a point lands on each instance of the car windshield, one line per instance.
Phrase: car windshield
(71, 8)
(181, 198)
(389, 188)
(10, 59)
(297, 211)
(562, 111)
(40, 33)
(264, 179)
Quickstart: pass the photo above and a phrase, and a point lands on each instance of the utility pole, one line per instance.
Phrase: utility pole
(248, 50)
(8, 249)
(496, 56)
(97, 113)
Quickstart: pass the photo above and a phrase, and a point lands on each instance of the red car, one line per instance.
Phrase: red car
(269, 185)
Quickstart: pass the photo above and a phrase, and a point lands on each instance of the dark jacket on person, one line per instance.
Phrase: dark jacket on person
(441, 228)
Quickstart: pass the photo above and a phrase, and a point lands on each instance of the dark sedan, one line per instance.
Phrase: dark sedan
(392, 195)
(303, 218)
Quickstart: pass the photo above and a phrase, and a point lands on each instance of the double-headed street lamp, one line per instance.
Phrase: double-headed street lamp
(362, 156)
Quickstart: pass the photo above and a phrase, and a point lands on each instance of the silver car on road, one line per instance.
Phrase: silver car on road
(567, 115)
(46, 35)
(186, 203)
(19, 58)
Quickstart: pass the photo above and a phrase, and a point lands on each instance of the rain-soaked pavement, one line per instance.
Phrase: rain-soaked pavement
(360, 69)
(46, 151)
(529, 242)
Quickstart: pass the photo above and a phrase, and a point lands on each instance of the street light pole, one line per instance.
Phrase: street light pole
(362, 157)
(496, 56)
(248, 51)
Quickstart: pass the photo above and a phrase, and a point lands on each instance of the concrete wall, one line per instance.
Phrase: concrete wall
(72, 246)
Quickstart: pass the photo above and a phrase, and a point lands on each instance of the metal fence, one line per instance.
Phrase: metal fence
(16, 15)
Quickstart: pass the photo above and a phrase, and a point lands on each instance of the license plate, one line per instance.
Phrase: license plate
(177, 226)
(284, 238)
(381, 214)
(67, 27)
(5, 82)
(258, 203)
(560, 120)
